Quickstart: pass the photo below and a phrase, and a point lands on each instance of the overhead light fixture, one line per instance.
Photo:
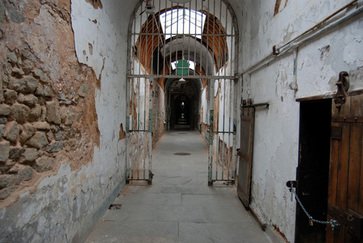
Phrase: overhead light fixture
(149, 7)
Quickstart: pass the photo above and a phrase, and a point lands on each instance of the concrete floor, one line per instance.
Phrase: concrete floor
(179, 206)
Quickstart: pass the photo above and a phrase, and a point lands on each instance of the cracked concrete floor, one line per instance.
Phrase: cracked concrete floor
(178, 206)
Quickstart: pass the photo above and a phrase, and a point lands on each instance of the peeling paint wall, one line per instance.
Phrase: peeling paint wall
(310, 71)
(80, 54)
(159, 117)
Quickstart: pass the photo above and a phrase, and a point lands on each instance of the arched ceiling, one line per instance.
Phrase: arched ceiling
(213, 43)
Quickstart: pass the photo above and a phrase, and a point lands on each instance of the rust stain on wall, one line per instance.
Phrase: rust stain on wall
(47, 98)
(95, 3)
(122, 133)
(278, 5)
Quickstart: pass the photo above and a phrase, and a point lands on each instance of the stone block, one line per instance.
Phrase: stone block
(16, 152)
(17, 72)
(6, 180)
(44, 91)
(38, 140)
(15, 14)
(26, 85)
(29, 100)
(2, 128)
(43, 163)
(20, 112)
(53, 114)
(55, 147)
(42, 76)
(44, 126)
(27, 66)
(4, 110)
(3, 120)
(50, 136)
(10, 96)
(30, 155)
(27, 131)
(1, 91)
(12, 131)
(4, 150)
(24, 172)
(35, 113)
(12, 58)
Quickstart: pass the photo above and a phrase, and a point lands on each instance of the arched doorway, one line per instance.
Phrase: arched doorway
(183, 103)
(184, 54)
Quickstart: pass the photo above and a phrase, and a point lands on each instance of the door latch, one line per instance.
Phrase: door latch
(292, 188)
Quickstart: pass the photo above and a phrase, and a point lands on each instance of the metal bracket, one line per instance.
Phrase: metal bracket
(291, 184)
(249, 104)
(342, 89)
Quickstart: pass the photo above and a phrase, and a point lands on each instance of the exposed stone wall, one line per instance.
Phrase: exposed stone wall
(47, 110)
(88, 162)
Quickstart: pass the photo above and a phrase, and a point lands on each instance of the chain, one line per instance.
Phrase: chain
(332, 222)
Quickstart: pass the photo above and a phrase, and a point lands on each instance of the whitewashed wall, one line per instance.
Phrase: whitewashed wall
(318, 64)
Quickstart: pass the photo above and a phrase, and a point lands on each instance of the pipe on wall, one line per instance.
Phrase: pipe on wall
(337, 18)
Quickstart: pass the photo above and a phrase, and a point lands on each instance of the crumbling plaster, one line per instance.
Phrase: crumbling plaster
(311, 70)
(63, 205)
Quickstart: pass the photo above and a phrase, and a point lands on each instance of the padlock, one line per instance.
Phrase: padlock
(311, 222)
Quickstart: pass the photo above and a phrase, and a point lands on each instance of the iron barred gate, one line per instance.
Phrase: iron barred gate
(183, 41)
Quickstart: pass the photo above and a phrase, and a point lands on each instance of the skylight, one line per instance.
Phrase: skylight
(182, 21)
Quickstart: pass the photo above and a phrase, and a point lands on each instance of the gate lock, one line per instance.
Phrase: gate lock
(334, 224)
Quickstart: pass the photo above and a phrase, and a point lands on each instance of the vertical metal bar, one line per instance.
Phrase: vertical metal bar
(189, 34)
(152, 21)
(200, 53)
(207, 36)
(128, 109)
(195, 37)
(141, 37)
(150, 139)
(211, 101)
(150, 98)
(159, 35)
(223, 81)
(211, 135)
(230, 128)
(165, 37)
(214, 40)
(129, 68)
(171, 36)
(136, 68)
(234, 71)
(230, 96)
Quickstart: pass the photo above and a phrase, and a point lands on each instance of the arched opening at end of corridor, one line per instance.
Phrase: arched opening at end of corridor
(182, 65)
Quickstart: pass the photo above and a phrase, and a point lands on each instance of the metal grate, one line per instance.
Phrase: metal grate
(186, 40)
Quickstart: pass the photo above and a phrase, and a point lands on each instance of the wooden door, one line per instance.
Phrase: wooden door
(246, 154)
(345, 200)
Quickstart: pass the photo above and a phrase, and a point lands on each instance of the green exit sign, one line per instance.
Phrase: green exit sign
(182, 67)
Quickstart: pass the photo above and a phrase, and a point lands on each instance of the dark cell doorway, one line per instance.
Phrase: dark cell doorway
(183, 104)
(313, 169)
